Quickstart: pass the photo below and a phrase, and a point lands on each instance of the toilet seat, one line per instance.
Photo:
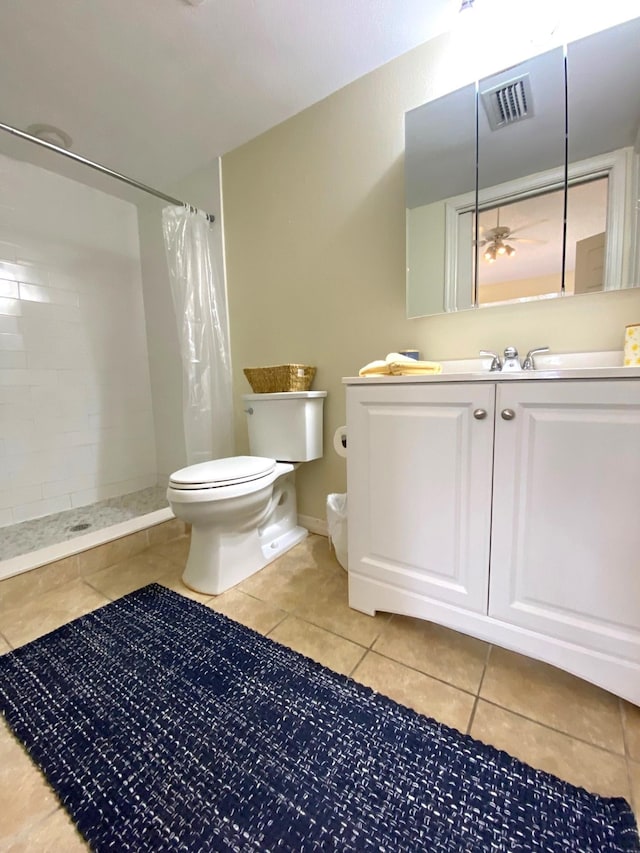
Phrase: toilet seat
(219, 473)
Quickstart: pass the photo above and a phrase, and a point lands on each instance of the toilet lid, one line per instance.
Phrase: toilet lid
(222, 472)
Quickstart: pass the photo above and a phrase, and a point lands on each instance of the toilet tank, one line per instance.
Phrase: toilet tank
(286, 426)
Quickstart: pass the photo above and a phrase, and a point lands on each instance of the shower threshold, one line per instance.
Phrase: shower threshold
(32, 543)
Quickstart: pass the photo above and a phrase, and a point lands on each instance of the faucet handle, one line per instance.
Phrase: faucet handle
(496, 364)
(528, 363)
(510, 352)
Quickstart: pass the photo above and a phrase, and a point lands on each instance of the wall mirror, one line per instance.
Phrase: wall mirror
(503, 205)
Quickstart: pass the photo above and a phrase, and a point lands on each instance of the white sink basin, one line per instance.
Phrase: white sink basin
(543, 361)
(578, 360)
(466, 365)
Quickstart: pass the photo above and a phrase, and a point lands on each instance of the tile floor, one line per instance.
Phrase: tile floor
(542, 715)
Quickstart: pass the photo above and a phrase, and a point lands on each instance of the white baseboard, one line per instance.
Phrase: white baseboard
(314, 525)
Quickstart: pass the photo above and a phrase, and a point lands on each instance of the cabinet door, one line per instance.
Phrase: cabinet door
(565, 555)
(419, 476)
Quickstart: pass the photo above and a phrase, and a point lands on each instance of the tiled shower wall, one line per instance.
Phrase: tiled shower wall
(76, 420)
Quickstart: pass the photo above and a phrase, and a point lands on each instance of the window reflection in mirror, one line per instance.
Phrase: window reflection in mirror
(519, 244)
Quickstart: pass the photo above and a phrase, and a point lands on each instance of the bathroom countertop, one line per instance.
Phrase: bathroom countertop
(588, 365)
(512, 376)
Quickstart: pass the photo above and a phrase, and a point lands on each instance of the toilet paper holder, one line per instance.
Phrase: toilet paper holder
(340, 441)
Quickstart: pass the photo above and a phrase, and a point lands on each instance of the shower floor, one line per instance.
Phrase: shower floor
(27, 536)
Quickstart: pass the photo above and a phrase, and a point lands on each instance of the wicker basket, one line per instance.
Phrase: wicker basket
(280, 377)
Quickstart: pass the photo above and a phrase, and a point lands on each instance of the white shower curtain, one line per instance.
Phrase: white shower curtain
(200, 304)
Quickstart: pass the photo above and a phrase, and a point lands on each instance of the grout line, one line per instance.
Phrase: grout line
(627, 751)
(95, 589)
(28, 828)
(422, 672)
(557, 731)
(353, 668)
(278, 623)
(627, 755)
(472, 716)
(6, 639)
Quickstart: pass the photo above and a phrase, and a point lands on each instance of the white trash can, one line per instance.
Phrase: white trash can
(337, 524)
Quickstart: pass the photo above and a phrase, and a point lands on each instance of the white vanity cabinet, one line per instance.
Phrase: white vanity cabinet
(509, 510)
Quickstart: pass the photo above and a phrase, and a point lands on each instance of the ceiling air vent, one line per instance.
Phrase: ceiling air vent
(509, 102)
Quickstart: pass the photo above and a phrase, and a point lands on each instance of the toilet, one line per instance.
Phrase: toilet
(242, 509)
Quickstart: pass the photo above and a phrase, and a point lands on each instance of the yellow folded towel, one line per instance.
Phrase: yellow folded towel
(399, 365)
(375, 368)
(418, 368)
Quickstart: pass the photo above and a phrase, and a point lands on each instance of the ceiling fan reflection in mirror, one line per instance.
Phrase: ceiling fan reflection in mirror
(495, 239)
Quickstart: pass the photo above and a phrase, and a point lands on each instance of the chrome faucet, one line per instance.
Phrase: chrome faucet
(510, 360)
(496, 364)
(528, 363)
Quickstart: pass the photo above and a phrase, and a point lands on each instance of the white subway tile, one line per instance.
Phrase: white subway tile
(10, 307)
(40, 438)
(51, 312)
(8, 251)
(9, 325)
(87, 496)
(9, 271)
(45, 466)
(44, 395)
(27, 273)
(13, 360)
(40, 508)
(63, 280)
(76, 377)
(74, 412)
(76, 438)
(11, 342)
(9, 288)
(67, 486)
(104, 420)
(6, 518)
(38, 293)
(11, 497)
(47, 255)
(56, 359)
(11, 428)
(36, 324)
(61, 424)
(135, 484)
(14, 395)
(28, 377)
(22, 444)
(25, 470)
(121, 416)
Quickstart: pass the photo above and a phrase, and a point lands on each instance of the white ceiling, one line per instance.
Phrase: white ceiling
(157, 88)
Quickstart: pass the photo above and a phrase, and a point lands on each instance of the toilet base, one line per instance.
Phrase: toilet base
(218, 562)
(220, 557)
(283, 543)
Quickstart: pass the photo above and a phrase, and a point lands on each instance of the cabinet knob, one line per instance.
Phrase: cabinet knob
(479, 414)
(508, 414)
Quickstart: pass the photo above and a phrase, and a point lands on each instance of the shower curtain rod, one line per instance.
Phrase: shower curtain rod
(105, 171)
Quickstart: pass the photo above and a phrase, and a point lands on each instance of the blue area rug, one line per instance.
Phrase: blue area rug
(163, 725)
